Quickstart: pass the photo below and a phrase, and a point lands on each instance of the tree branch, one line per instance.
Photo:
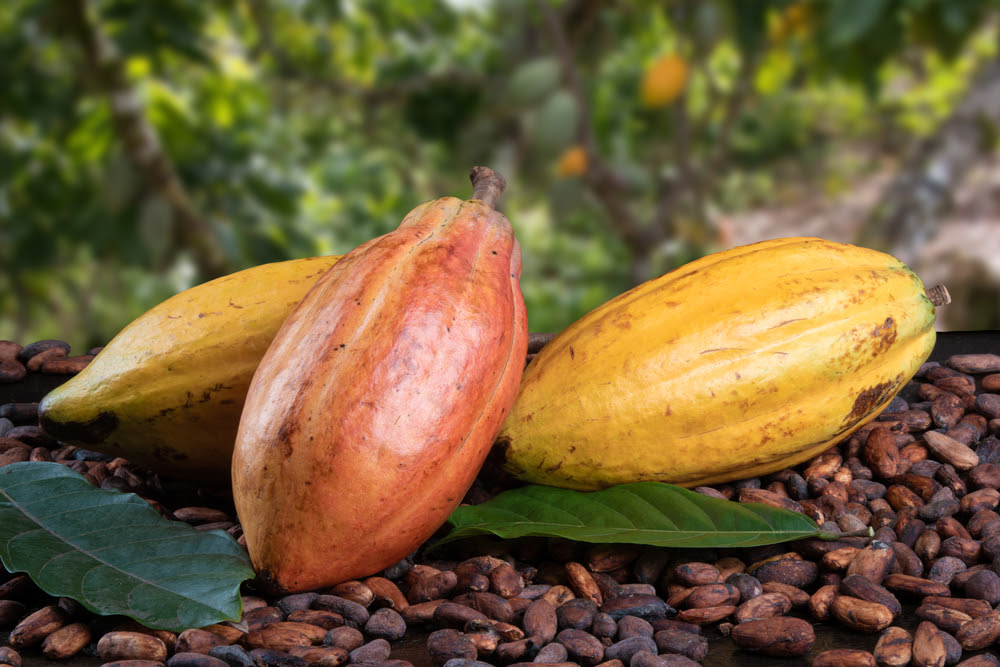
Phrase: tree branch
(141, 142)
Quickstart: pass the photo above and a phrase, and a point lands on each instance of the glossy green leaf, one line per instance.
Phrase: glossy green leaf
(642, 513)
(113, 553)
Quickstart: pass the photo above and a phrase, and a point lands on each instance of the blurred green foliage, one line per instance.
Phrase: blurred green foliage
(305, 127)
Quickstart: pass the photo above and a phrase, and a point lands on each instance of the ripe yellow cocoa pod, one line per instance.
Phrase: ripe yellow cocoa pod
(663, 81)
(738, 364)
(573, 162)
(168, 390)
(373, 410)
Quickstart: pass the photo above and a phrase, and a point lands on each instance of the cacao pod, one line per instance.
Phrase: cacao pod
(373, 410)
(663, 81)
(738, 364)
(168, 390)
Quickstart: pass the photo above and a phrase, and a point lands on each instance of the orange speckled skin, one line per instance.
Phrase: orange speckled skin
(373, 410)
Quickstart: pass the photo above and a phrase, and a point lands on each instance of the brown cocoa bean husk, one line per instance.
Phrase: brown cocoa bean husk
(988, 405)
(865, 589)
(540, 621)
(551, 653)
(986, 478)
(34, 364)
(974, 608)
(949, 620)
(706, 615)
(448, 644)
(951, 451)
(784, 636)
(768, 498)
(861, 615)
(557, 595)
(960, 385)
(914, 586)
(690, 645)
(453, 615)
(386, 593)
(328, 620)
(900, 496)
(873, 562)
(696, 574)
(928, 545)
(507, 632)
(983, 585)
(678, 598)
(948, 526)
(276, 637)
(766, 605)
(420, 613)
(790, 571)
(712, 595)
(427, 583)
(355, 591)
(823, 466)
(582, 582)
(578, 613)
(128, 645)
(64, 365)
(844, 657)
(991, 383)
(880, 452)
(344, 637)
(257, 617)
(974, 363)
(35, 627)
(928, 646)
(838, 559)
(979, 632)
(505, 581)
(196, 640)
(321, 656)
(947, 409)
(819, 602)
(894, 648)
(945, 568)
(966, 550)
(797, 596)
(583, 648)
(66, 642)
(925, 487)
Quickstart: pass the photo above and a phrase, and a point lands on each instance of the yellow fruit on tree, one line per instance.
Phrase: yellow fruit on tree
(573, 162)
(664, 81)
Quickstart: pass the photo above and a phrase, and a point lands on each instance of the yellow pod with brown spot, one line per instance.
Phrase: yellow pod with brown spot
(738, 364)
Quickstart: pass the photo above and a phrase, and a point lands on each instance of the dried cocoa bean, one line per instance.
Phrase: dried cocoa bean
(278, 636)
(894, 648)
(626, 648)
(582, 583)
(196, 640)
(66, 642)
(355, 591)
(644, 659)
(988, 405)
(819, 602)
(949, 620)
(449, 644)
(505, 581)
(766, 605)
(582, 647)
(748, 585)
(643, 606)
(712, 595)
(861, 615)
(327, 620)
(386, 623)
(706, 615)
(688, 644)
(865, 589)
(10, 612)
(790, 571)
(945, 568)
(928, 646)
(881, 453)
(318, 656)
(873, 562)
(540, 620)
(844, 657)
(979, 632)
(344, 637)
(951, 451)
(36, 627)
(551, 653)
(353, 613)
(633, 626)
(914, 586)
(35, 363)
(767, 498)
(375, 651)
(127, 645)
(696, 574)
(420, 613)
(386, 593)
(558, 595)
(797, 596)
(577, 613)
(427, 583)
(907, 562)
(784, 636)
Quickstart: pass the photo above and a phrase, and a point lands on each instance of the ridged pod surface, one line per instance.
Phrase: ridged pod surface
(376, 405)
(738, 364)
(168, 390)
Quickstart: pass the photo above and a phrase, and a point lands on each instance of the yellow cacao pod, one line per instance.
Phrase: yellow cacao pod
(738, 364)
(380, 397)
(573, 162)
(663, 81)
(167, 391)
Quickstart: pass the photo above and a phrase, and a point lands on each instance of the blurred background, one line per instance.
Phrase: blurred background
(149, 146)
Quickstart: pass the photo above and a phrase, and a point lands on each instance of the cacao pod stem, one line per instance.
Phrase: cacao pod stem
(487, 185)
(939, 295)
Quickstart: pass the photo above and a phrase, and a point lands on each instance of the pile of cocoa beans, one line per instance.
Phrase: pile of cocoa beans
(922, 587)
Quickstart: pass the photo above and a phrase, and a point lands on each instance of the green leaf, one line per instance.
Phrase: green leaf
(649, 513)
(850, 21)
(113, 553)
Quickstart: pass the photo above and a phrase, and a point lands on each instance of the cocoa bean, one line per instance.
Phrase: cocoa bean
(611, 557)
(236, 656)
(66, 642)
(797, 596)
(861, 615)
(488, 604)
(928, 545)
(127, 645)
(577, 613)
(195, 660)
(626, 648)
(881, 453)
(427, 583)
(355, 591)
(949, 620)
(894, 648)
(505, 581)
(344, 637)
(947, 409)
(386, 593)
(643, 606)
(988, 405)
(982, 660)
(766, 605)
(10, 612)
(712, 595)
(319, 656)
(504, 631)
(540, 620)
(35, 363)
(819, 602)
(705, 615)
(945, 568)
(36, 626)
(11, 371)
(790, 571)
(258, 617)
(582, 647)
(907, 562)
(844, 657)
(386, 623)
(984, 585)
(353, 613)
(278, 637)
(582, 583)
(900, 496)
(865, 589)
(420, 613)
(986, 478)
(552, 653)
(644, 659)
(196, 640)
(784, 636)
(770, 498)
(557, 595)
(928, 646)
(31, 350)
(633, 626)
(327, 620)
(688, 644)
(873, 562)
(449, 644)
(966, 550)
(605, 627)
(696, 574)
(914, 586)
(839, 559)
(375, 651)
(979, 632)
(951, 451)
(748, 585)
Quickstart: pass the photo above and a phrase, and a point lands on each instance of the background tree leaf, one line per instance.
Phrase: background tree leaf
(113, 553)
(649, 513)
